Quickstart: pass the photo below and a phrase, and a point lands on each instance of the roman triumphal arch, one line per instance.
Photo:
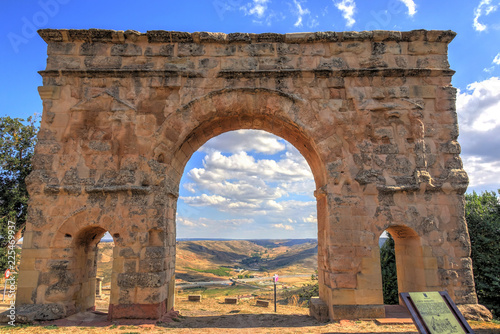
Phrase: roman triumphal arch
(373, 113)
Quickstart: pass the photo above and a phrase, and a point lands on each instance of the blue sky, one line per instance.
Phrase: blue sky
(206, 208)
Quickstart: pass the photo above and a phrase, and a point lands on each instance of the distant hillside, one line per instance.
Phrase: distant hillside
(282, 242)
(306, 256)
(206, 260)
(287, 256)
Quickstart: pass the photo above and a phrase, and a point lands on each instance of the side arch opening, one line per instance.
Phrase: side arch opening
(86, 272)
(89, 256)
(407, 248)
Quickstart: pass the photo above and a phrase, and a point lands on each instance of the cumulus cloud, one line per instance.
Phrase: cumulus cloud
(191, 187)
(238, 141)
(256, 7)
(282, 226)
(485, 8)
(188, 223)
(205, 200)
(479, 106)
(244, 167)
(348, 8)
(276, 189)
(410, 4)
(310, 219)
(482, 172)
(209, 227)
(478, 109)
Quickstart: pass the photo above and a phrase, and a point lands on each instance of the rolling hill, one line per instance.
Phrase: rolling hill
(208, 260)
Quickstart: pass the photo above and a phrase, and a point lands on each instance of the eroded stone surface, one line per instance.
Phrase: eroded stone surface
(373, 113)
(475, 312)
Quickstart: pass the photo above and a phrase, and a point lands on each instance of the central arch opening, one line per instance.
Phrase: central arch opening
(246, 211)
(281, 114)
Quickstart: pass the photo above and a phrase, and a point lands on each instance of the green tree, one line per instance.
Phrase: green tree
(482, 213)
(389, 274)
(17, 142)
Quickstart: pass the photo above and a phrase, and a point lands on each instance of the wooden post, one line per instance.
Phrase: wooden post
(275, 279)
(98, 286)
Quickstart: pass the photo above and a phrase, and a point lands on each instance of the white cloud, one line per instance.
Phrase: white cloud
(313, 23)
(348, 8)
(496, 60)
(300, 12)
(256, 7)
(245, 140)
(478, 111)
(214, 228)
(188, 223)
(299, 187)
(191, 187)
(239, 184)
(285, 227)
(481, 172)
(485, 8)
(205, 200)
(310, 219)
(244, 167)
(412, 8)
(489, 69)
(479, 106)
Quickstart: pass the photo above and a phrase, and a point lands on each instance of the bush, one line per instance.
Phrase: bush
(482, 213)
(389, 274)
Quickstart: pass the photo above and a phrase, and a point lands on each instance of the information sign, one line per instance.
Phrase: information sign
(435, 313)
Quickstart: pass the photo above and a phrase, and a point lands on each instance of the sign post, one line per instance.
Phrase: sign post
(275, 279)
(7, 275)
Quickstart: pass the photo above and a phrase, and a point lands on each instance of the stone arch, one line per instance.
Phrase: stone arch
(77, 242)
(85, 247)
(232, 109)
(409, 253)
(372, 112)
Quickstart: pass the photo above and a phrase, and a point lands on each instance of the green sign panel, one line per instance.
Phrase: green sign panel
(435, 313)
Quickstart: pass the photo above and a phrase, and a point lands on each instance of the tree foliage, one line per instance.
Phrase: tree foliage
(389, 275)
(17, 142)
(482, 213)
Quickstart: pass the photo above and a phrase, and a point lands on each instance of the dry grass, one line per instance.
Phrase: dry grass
(211, 315)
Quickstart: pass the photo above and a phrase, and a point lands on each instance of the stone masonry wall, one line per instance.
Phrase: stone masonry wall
(372, 112)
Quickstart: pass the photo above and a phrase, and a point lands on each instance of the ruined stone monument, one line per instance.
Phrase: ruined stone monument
(373, 113)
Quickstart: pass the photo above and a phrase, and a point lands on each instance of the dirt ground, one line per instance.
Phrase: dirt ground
(211, 315)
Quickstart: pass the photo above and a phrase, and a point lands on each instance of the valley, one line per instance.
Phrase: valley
(242, 268)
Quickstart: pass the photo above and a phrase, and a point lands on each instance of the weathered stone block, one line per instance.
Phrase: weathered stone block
(318, 309)
(194, 298)
(261, 302)
(103, 62)
(348, 312)
(64, 62)
(126, 50)
(94, 49)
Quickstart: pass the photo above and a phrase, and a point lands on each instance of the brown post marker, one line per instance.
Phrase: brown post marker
(275, 279)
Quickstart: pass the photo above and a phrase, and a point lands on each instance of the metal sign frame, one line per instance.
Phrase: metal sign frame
(418, 320)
